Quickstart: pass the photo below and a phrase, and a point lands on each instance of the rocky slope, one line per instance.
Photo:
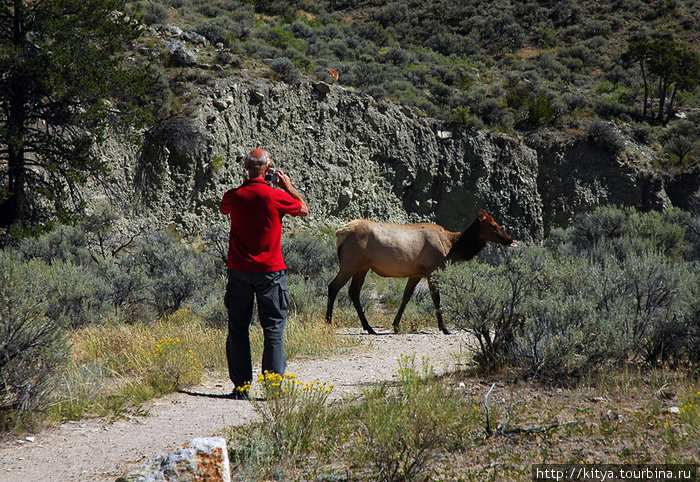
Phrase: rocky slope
(351, 156)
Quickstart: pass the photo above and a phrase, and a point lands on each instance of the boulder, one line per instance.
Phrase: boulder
(181, 55)
(174, 31)
(203, 459)
(349, 155)
(195, 38)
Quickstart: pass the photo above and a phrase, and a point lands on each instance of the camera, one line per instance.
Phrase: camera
(271, 177)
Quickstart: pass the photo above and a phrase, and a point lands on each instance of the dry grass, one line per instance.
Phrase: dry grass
(115, 367)
(624, 417)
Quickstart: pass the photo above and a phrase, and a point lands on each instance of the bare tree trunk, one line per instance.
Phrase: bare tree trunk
(669, 111)
(662, 99)
(14, 207)
(646, 88)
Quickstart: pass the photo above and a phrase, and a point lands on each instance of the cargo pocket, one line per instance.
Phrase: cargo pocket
(283, 297)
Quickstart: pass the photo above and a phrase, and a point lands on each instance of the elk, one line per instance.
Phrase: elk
(410, 251)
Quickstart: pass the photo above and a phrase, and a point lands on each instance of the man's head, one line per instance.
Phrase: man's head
(257, 162)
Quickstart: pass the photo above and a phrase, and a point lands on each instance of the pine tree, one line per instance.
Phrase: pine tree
(669, 66)
(62, 76)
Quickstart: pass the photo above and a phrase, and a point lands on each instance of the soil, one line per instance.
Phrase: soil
(102, 450)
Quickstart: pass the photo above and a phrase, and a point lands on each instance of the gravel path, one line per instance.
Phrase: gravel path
(100, 450)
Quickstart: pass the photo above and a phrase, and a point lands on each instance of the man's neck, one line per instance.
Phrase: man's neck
(260, 177)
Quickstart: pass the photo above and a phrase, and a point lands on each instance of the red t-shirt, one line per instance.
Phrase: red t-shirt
(256, 211)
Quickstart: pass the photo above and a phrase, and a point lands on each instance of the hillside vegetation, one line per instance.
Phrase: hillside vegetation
(515, 66)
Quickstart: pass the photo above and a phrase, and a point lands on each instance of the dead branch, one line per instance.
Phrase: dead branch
(502, 426)
(486, 405)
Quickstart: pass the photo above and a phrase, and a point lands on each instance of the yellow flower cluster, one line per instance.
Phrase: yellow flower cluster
(689, 410)
(167, 352)
(243, 388)
(269, 379)
(164, 346)
(316, 386)
(280, 383)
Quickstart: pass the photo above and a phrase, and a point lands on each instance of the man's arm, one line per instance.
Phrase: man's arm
(225, 206)
(284, 183)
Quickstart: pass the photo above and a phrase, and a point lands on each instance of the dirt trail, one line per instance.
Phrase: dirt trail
(100, 450)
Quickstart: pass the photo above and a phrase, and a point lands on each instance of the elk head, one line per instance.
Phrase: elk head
(489, 230)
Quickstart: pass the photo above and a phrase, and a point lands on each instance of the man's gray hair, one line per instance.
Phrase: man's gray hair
(257, 159)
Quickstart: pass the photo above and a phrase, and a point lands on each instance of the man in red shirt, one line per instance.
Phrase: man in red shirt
(256, 268)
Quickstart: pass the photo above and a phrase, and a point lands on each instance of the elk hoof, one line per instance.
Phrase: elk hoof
(445, 330)
(370, 330)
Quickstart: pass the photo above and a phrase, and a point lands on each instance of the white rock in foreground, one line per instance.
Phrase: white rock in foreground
(203, 459)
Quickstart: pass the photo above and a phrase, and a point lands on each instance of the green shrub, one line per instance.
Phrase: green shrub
(681, 143)
(481, 299)
(397, 56)
(31, 344)
(402, 429)
(643, 132)
(463, 115)
(80, 295)
(613, 288)
(209, 10)
(217, 30)
(485, 104)
(172, 366)
(309, 254)
(610, 106)
(549, 67)
(177, 271)
(283, 38)
(156, 13)
(546, 37)
(294, 413)
(605, 136)
(625, 232)
(65, 243)
(541, 111)
(286, 70)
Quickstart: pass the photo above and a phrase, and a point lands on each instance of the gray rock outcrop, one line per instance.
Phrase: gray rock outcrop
(351, 156)
(575, 175)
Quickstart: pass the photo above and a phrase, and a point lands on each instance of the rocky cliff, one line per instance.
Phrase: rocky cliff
(351, 156)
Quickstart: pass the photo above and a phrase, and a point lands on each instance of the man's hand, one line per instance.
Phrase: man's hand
(283, 182)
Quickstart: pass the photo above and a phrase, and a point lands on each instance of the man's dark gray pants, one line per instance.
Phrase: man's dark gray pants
(270, 290)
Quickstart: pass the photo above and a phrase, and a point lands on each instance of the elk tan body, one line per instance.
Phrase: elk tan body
(410, 251)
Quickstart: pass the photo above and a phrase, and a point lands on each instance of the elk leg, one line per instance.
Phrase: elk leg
(333, 289)
(435, 295)
(407, 293)
(357, 281)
